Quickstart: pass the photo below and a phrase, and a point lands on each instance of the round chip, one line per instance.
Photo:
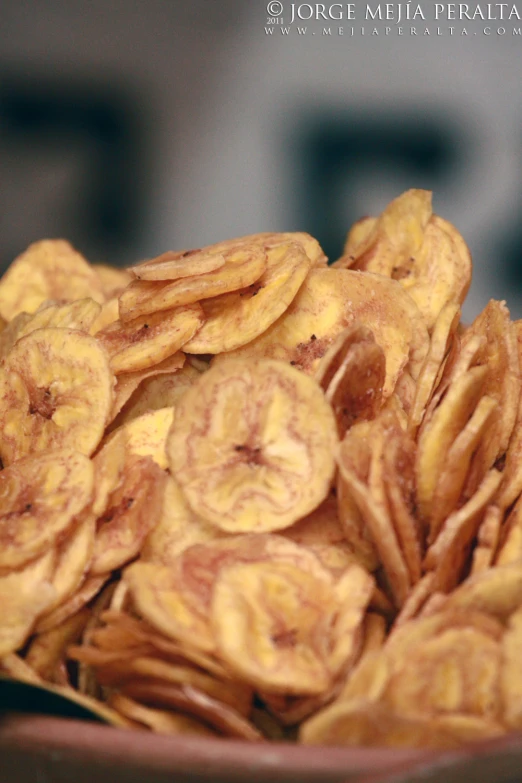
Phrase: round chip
(24, 596)
(237, 318)
(49, 269)
(150, 339)
(56, 390)
(242, 267)
(39, 498)
(253, 446)
(272, 623)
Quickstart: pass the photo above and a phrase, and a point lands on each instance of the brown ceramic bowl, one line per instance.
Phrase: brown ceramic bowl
(41, 749)
(38, 749)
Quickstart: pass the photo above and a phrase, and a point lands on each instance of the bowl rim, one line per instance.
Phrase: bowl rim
(33, 739)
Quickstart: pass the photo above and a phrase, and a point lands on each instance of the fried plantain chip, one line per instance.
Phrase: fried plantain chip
(39, 499)
(148, 340)
(49, 269)
(242, 267)
(56, 391)
(252, 446)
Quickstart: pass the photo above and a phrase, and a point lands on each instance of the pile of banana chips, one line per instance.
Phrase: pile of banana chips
(247, 494)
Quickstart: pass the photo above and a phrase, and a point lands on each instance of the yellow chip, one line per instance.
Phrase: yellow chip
(80, 314)
(50, 269)
(499, 352)
(74, 557)
(487, 539)
(146, 436)
(128, 382)
(237, 318)
(24, 596)
(56, 390)
(456, 671)
(272, 624)
(150, 339)
(242, 267)
(46, 652)
(330, 300)
(440, 431)
(511, 683)
(89, 588)
(157, 391)
(113, 280)
(39, 498)
(132, 511)
(456, 464)
(252, 446)
(360, 723)
(440, 341)
(160, 721)
(177, 528)
(447, 555)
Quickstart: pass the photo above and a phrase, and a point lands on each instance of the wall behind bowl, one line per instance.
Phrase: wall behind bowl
(133, 127)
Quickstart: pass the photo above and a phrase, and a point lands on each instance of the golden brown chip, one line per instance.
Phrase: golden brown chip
(177, 528)
(375, 514)
(148, 340)
(235, 319)
(275, 624)
(499, 352)
(49, 269)
(79, 314)
(46, 653)
(447, 555)
(425, 253)
(456, 464)
(159, 391)
(358, 238)
(440, 431)
(242, 267)
(194, 702)
(321, 532)
(511, 683)
(24, 596)
(128, 382)
(113, 279)
(74, 556)
(252, 446)
(331, 300)
(146, 436)
(512, 473)
(175, 599)
(89, 588)
(487, 539)
(160, 721)
(56, 391)
(495, 591)
(360, 723)
(456, 671)
(440, 341)
(39, 499)
(109, 313)
(132, 511)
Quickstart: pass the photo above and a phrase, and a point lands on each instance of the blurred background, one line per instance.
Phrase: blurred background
(133, 127)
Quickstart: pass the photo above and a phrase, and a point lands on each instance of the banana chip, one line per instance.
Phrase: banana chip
(148, 340)
(252, 446)
(234, 319)
(39, 499)
(50, 269)
(241, 267)
(56, 391)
